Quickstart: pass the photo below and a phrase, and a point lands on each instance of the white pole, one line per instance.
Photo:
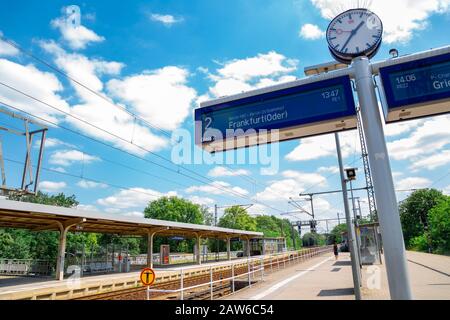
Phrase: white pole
(262, 269)
(232, 277)
(211, 279)
(388, 215)
(248, 270)
(182, 284)
(148, 293)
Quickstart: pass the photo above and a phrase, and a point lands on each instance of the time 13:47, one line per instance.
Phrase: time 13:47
(330, 94)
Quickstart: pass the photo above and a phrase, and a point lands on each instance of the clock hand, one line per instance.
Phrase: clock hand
(352, 34)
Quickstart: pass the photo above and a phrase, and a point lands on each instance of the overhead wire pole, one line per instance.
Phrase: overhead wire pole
(351, 242)
(367, 174)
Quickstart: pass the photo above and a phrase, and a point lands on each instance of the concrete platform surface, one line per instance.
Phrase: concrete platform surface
(324, 278)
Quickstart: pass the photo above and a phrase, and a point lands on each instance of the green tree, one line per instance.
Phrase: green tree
(237, 217)
(208, 217)
(313, 239)
(42, 245)
(59, 200)
(439, 227)
(414, 212)
(336, 233)
(269, 225)
(175, 209)
(272, 226)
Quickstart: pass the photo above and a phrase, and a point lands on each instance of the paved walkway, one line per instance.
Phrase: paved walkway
(324, 278)
(319, 278)
(429, 275)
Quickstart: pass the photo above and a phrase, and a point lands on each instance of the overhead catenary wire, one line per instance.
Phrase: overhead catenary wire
(77, 82)
(134, 115)
(138, 157)
(61, 72)
(134, 155)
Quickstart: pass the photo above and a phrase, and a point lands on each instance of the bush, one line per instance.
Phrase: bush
(439, 227)
(419, 243)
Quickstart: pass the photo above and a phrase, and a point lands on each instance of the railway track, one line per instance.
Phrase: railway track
(140, 293)
(220, 289)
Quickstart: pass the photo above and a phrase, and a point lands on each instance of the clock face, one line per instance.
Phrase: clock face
(353, 33)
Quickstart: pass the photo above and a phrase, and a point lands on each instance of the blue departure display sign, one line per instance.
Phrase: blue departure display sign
(417, 82)
(320, 101)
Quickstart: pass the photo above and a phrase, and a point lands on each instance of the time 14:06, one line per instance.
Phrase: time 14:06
(406, 78)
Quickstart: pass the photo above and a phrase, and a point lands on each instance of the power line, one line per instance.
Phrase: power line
(120, 138)
(97, 94)
(88, 179)
(139, 157)
(105, 98)
(61, 72)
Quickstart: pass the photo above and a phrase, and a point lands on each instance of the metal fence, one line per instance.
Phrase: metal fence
(256, 267)
(26, 267)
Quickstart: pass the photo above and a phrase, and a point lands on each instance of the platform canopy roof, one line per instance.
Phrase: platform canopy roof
(38, 217)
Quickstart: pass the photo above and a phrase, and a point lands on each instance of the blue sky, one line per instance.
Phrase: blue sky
(158, 59)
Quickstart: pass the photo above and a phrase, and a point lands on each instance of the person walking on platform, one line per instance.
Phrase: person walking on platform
(335, 249)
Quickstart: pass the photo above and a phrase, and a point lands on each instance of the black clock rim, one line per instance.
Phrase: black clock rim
(348, 59)
(369, 53)
(363, 53)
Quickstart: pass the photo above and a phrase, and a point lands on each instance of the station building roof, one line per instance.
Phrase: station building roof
(24, 215)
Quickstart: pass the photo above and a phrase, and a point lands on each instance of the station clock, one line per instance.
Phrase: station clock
(354, 33)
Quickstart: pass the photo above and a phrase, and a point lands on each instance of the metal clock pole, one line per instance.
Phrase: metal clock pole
(388, 214)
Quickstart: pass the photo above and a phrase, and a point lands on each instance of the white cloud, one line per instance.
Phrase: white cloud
(293, 183)
(132, 198)
(396, 174)
(217, 188)
(240, 75)
(162, 97)
(68, 157)
(446, 190)
(330, 169)
(135, 214)
(59, 169)
(325, 146)
(430, 137)
(44, 86)
(203, 201)
(220, 171)
(395, 129)
(401, 18)
(412, 183)
(52, 186)
(98, 112)
(311, 32)
(432, 162)
(54, 142)
(86, 184)
(6, 49)
(262, 65)
(87, 207)
(77, 37)
(166, 19)
(83, 69)
(257, 210)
